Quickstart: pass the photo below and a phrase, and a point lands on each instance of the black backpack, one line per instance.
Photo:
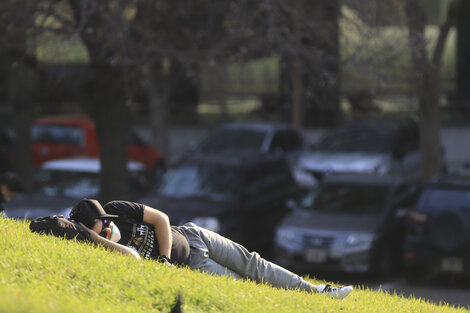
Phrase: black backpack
(59, 226)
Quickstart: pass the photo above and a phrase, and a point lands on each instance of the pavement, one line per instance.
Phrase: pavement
(455, 294)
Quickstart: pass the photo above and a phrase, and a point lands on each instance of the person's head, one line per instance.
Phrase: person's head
(92, 215)
(10, 184)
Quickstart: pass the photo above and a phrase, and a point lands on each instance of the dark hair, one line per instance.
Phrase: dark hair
(12, 181)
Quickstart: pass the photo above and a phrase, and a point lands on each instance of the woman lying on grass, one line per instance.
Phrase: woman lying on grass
(141, 231)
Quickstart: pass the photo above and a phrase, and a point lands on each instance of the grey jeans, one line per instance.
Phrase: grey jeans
(215, 254)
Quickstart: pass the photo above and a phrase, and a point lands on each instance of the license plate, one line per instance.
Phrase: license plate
(452, 264)
(315, 256)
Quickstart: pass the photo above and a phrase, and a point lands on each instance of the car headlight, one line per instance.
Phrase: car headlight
(209, 222)
(285, 234)
(355, 240)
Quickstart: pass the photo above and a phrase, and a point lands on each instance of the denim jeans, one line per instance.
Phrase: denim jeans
(215, 254)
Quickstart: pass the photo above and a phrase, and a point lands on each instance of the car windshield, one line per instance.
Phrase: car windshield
(346, 198)
(356, 140)
(200, 181)
(54, 134)
(231, 139)
(55, 183)
(444, 199)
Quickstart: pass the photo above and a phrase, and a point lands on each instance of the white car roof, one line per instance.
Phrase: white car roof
(89, 165)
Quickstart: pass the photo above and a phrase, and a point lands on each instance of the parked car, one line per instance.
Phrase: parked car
(349, 223)
(58, 137)
(267, 138)
(239, 195)
(438, 234)
(58, 184)
(379, 147)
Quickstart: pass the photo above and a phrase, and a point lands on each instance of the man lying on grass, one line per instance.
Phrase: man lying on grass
(141, 231)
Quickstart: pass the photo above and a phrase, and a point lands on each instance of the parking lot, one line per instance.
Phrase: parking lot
(456, 293)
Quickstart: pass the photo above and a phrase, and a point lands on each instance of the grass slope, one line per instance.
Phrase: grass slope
(48, 274)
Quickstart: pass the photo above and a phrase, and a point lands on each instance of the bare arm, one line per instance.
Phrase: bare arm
(161, 224)
(110, 245)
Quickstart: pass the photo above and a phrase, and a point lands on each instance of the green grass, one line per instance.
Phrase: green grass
(48, 274)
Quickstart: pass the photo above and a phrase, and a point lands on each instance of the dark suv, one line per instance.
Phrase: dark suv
(239, 195)
(438, 232)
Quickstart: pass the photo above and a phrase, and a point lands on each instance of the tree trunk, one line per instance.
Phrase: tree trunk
(22, 85)
(158, 98)
(430, 125)
(297, 82)
(112, 118)
(314, 52)
(463, 56)
(322, 80)
(428, 86)
(107, 98)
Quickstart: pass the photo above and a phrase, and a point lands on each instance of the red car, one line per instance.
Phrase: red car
(62, 137)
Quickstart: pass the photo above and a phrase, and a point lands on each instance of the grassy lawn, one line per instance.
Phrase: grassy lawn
(48, 274)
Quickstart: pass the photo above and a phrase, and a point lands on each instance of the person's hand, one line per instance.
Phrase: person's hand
(165, 260)
(93, 234)
(86, 228)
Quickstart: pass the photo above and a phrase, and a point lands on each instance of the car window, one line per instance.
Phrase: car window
(205, 181)
(357, 140)
(436, 200)
(347, 198)
(54, 134)
(232, 139)
(293, 140)
(278, 143)
(286, 140)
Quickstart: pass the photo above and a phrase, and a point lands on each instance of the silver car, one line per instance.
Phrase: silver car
(350, 223)
(383, 148)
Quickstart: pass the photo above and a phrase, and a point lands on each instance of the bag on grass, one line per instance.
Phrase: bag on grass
(59, 226)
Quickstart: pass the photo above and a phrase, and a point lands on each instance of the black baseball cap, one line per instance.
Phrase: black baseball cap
(87, 211)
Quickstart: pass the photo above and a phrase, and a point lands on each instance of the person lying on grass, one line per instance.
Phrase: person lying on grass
(144, 232)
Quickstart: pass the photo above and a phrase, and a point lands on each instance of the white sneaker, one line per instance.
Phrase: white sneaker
(335, 292)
